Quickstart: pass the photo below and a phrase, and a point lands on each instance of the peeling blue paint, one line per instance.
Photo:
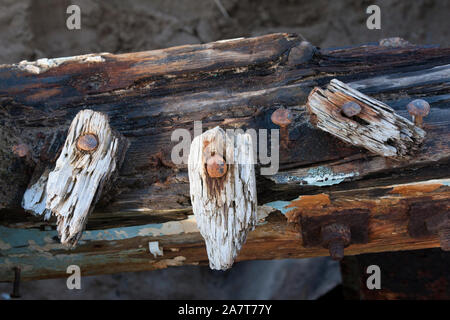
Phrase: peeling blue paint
(283, 178)
(37, 251)
(17, 237)
(280, 205)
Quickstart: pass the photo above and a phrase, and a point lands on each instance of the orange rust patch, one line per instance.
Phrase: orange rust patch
(414, 190)
(306, 203)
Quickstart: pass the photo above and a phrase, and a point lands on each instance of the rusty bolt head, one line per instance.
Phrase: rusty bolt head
(351, 109)
(336, 249)
(87, 142)
(216, 166)
(418, 109)
(21, 150)
(282, 117)
(336, 237)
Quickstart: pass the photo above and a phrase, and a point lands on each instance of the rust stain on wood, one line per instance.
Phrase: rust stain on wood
(306, 203)
(238, 83)
(415, 189)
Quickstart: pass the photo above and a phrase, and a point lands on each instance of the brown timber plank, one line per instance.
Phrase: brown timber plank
(234, 84)
(126, 249)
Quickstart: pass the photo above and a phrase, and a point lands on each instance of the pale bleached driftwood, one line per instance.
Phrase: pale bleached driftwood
(72, 188)
(225, 208)
(377, 127)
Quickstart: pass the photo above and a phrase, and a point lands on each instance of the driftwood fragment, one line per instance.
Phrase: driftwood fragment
(224, 206)
(91, 154)
(376, 127)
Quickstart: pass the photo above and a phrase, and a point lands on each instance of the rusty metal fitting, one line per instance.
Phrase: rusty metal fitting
(216, 166)
(351, 109)
(21, 150)
(335, 237)
(16, 284)
(418, 109)
(283, 118)
(87, 142)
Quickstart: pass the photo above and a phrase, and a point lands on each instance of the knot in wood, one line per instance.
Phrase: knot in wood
(216, 166)
(351, 109)
(87, 142)
(282, 117)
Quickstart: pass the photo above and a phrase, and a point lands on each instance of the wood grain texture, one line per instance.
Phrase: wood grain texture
(127, 248)
(224, 208)
(233, 84)
(376, 127)
(75, 184)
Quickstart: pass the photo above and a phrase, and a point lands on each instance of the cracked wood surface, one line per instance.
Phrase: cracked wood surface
(232, 84)
(224, 207)
(70, 190)
(112, 250)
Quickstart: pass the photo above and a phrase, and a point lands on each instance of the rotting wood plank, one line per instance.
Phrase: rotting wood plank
(147, 95)
(376, 127)
(40, 254)
(232, 84)
(225, 204)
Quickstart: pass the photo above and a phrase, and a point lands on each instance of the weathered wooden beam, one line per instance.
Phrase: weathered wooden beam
(40, 255)
(233, 84)
(368, 123)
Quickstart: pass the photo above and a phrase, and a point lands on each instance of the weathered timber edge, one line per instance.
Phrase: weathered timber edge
(40, 255)
(234, 84)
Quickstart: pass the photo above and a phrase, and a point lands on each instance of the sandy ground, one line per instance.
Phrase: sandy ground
(32, 29)
(36, 29)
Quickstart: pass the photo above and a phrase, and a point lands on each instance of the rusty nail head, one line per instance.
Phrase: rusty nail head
(16, 284)
(282, 117)
(351, 109)
(21, 150)
(216, 166)
(87, 142)
(418, 109)
(336, 237)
